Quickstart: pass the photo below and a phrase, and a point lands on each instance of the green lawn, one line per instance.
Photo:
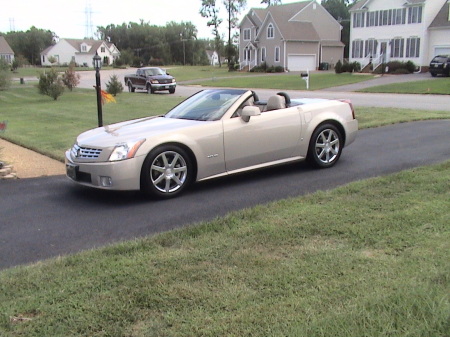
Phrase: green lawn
(367, 259)
(286, 81)
(50, 127)
(436, 86)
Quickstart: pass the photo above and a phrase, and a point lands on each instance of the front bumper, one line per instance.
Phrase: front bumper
(120, 175)
(160, 87)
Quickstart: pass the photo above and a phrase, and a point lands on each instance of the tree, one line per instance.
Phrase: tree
(233, 8)
(70, 78)
(211, 11)
(50, 84)
(339, 10)
(5, 77)
(30, 43)
(114, 86)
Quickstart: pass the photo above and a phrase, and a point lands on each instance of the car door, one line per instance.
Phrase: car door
(271, 136)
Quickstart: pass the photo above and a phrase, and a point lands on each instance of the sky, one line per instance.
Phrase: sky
(73, 18)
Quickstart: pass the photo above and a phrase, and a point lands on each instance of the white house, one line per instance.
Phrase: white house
(213, 57)
(401, 30)
(6, 53)
(81, 52)
(297, 36)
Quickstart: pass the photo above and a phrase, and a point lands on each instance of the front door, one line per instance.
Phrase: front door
(271, 136)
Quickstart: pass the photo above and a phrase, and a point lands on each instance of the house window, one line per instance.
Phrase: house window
(247, 54)
(415, 14)
(370, 48)
(413, 47)
(397, 46)
(372, 19)
(263, 54)
(102, 49)
(247, 34)
(270, 31)
(83, 48)
(277, 54)
(357, 49)
(399, 16)
(358, 20)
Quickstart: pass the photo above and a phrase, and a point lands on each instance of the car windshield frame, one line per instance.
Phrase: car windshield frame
(206, 105)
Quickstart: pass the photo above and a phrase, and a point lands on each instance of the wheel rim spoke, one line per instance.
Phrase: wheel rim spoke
(327, 146)
(168, 172)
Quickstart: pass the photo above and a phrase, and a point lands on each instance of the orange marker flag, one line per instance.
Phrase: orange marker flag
(107, 98)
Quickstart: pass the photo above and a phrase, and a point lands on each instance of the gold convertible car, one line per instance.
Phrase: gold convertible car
(211, 134)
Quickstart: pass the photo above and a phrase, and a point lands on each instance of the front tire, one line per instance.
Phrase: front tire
(130, 87)
(150, 90)
(166, 172)
(325, 146)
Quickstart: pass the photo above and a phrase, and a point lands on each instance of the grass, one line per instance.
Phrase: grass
(286, 81)
(50, 127)
(436, 86)
(367, 259)
(39, 123)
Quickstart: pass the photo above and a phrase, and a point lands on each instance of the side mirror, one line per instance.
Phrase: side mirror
(250, 111)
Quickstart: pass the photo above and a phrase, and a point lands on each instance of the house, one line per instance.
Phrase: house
(297, 36)
(400, 30)
(81, 52)
(213, 57)
(6, 53)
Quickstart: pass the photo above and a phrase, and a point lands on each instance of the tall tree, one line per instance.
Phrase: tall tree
(211, 11)
(233, 8)
(339, 10)
(31, 43)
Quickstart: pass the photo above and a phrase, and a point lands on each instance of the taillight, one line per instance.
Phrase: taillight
(349, 102)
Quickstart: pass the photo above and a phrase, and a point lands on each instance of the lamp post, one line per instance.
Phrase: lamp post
(97, 60)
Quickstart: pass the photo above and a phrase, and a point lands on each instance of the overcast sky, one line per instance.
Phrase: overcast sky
(68, 19)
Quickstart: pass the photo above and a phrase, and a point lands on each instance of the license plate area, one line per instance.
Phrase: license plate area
(72, 171)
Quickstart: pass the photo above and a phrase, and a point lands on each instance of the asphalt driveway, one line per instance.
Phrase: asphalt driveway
(46, 217)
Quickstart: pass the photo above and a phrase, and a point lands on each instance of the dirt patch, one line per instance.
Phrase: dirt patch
(27, 163)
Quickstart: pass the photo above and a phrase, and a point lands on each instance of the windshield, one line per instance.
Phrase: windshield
(154, 72)
(207, 105)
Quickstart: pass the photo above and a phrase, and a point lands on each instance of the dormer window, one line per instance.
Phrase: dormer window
(415, 14)
(247, 34)
(270, 31)
(83, 48)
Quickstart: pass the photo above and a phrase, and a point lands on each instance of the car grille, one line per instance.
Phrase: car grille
(165, 81)
(85, 152)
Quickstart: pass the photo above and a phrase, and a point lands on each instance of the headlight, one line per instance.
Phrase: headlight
(154, 81)
(125, 150)
(173, 80)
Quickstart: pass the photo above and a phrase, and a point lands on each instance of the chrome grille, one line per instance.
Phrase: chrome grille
(85, 152)
(165, 81)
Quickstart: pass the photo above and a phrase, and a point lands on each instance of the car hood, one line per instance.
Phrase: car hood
(161, 77)
(113, 134)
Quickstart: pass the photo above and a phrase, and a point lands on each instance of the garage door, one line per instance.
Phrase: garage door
(301, 62)
(442, 51)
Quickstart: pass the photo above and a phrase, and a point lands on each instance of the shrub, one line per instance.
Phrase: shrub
(70, 78)
(114, 86)
(338, 67)
(50, 84)
(5, 75)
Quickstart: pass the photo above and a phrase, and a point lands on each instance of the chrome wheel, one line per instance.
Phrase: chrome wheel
(326, 146)
(168, 172)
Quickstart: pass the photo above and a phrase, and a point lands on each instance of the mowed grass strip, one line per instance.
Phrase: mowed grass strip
(50, 127)
(435, 86)
(286, 81)
(367, 259)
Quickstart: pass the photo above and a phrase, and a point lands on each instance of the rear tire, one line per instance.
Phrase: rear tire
(325, 146)
(166, 172)
(172, 91)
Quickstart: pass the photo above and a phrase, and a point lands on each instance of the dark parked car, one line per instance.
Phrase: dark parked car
(440, 65)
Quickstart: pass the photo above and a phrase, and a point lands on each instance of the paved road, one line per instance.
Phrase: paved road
(47, 217)
(421, 102)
